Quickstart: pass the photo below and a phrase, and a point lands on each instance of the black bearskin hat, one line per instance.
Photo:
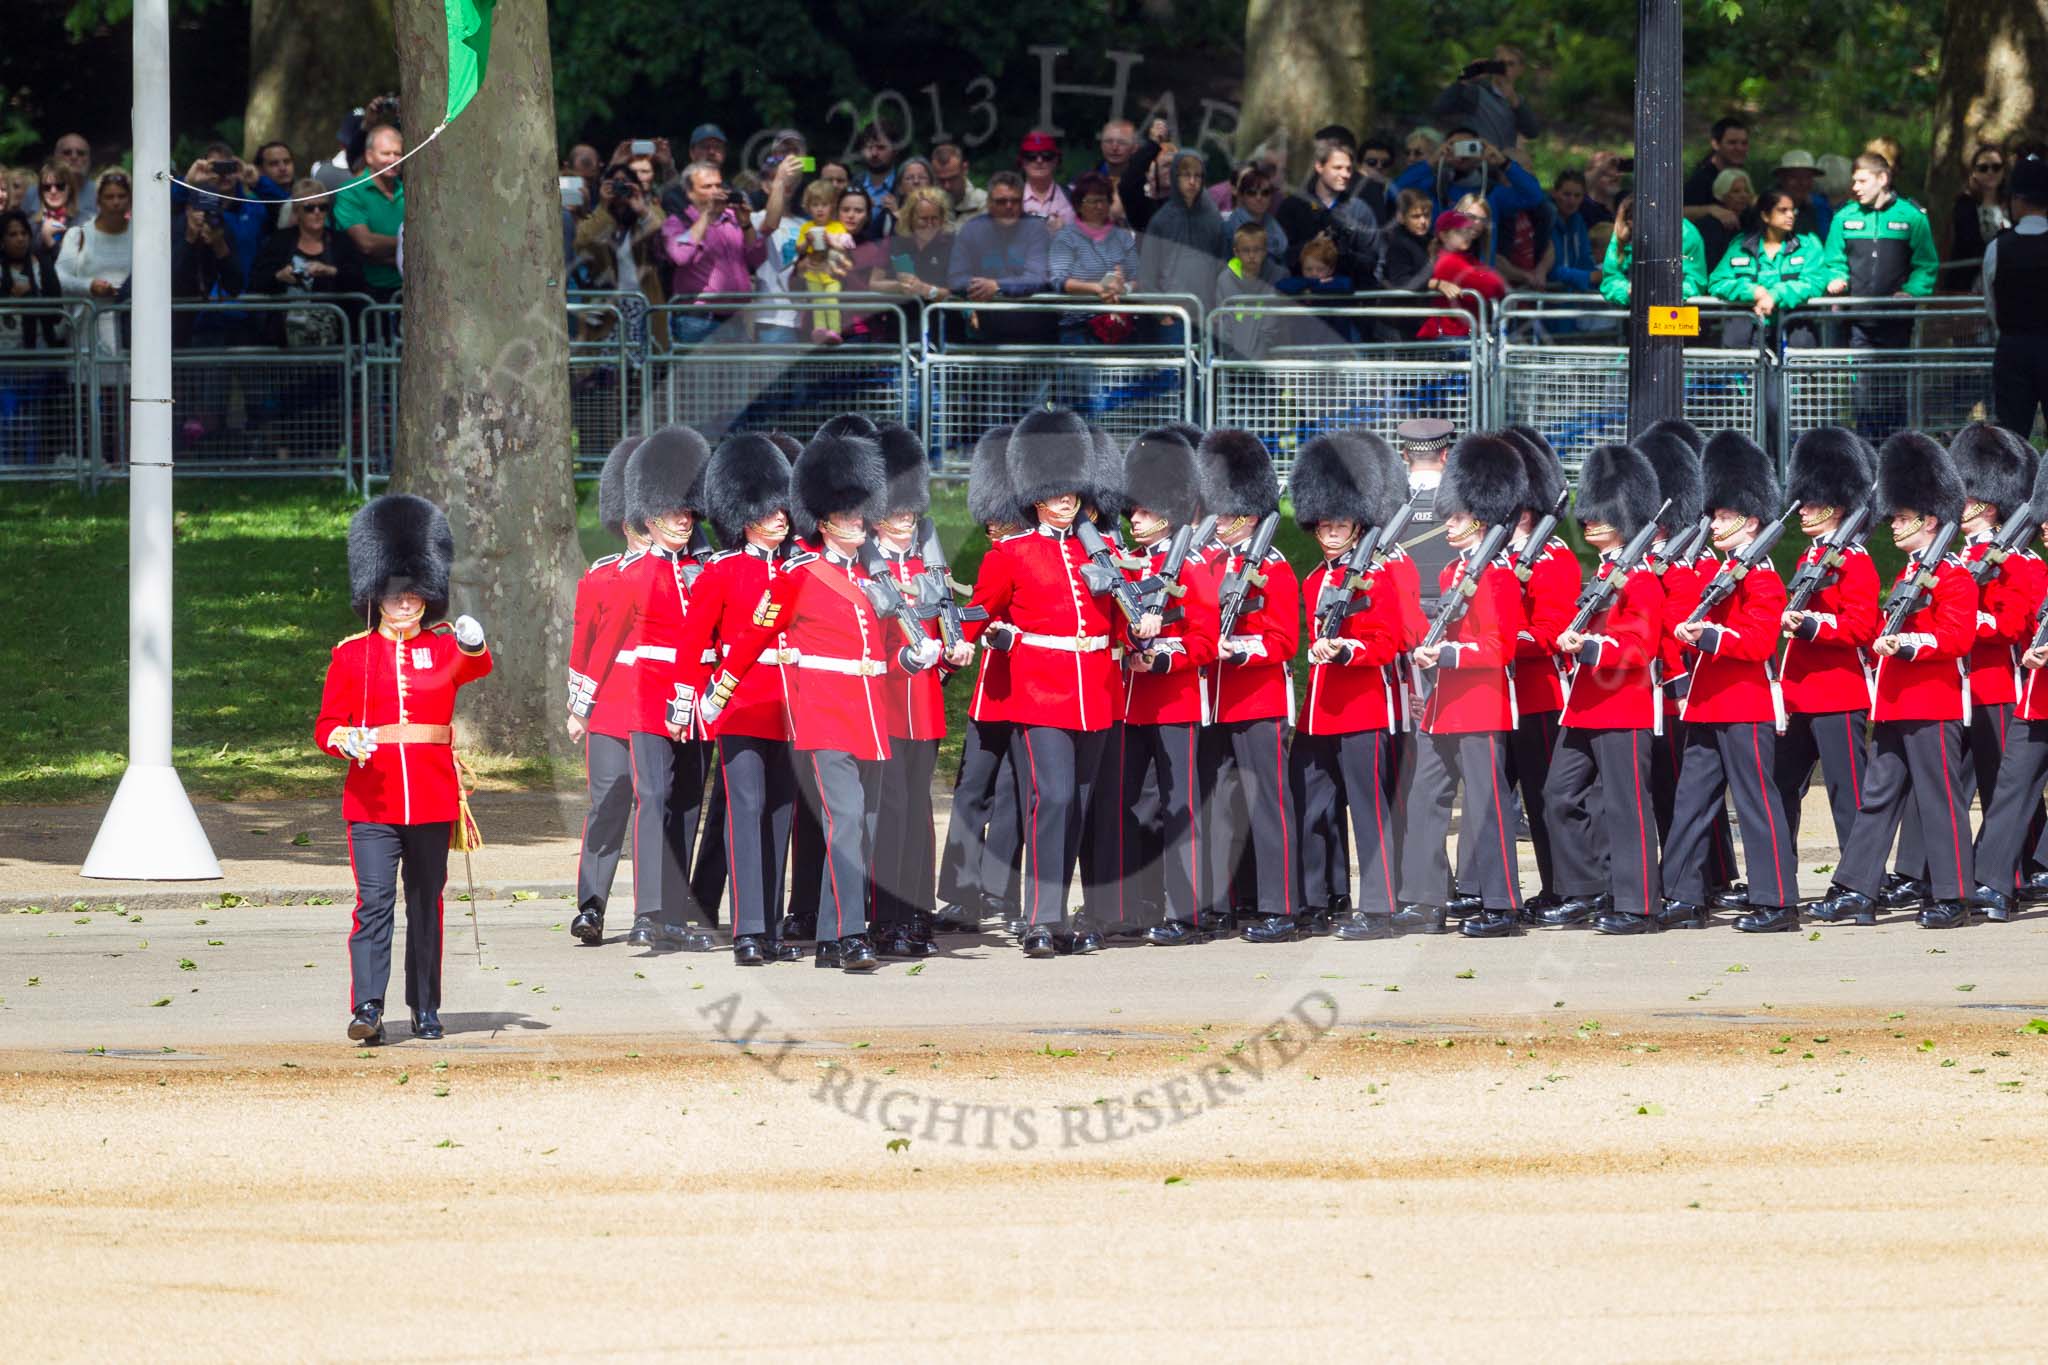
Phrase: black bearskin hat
(989, 495)
(665, 475)
(1335, 478)
(1485, 477)
(1106, 477)
(399, 543)
(1740, 477)
(1162, 475)
(836, 475)
(1677, 466)
(1914, 473)
(1683, 430)
(909, 471)
(1831, 467)
(1390, 489)
(789, 445)
(1050, 453)
(1188, 432)
(1546, 475)
(611, 486)
(747, 481)
(2040, 498)
(1617, 486)
(1997, 466)
(849, 424)
(1237, 474)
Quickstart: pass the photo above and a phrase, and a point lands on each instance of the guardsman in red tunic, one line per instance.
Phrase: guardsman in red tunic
(976, 871)
(386, 709)
(664, 498)
(1916, 750)
(600, 723)
(1252, 698)
(900, 902)
(1337, 766)
(1062, 677)
(746, 492)
(1997, 469)
(2009, 815)
(1731, 711)
(1827, 696)
(1470, 708)
(1607, 853)
(1106, 833)
(1163, 692)
(1550, 587)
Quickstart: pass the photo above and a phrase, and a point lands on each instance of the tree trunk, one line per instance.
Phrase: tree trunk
(309, 64)
(483, 415)
(1306, 64)
(1994, 58)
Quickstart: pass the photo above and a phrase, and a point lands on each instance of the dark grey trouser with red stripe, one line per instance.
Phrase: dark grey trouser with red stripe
(1252, 758)
(1106, 836)
(1535, 740)
(760, 788)
(1735, 759)
(845, 793)
(1835, 741)
(2013, 805)
(668, 793)
(1990, 728)
(982, 834)
(1056, 774)
(1604, 835)
(1340, 780)
(1162, 850)
(608, 780)
(1917, 765)
(904, 842)
(1443, 764)
(1664, 783)
(707, 868)
(376, 854)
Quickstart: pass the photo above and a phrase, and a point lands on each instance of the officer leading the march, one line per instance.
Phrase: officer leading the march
(386, 708)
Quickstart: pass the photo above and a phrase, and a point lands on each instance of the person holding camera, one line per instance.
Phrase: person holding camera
(1485, 100)
(711, 242)
(373, 212)
(203, 263)
(618, 245)
(219, 181)
(307, 258)
(1468, 163)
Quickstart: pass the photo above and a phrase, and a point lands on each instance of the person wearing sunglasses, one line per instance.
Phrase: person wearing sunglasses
(1256, 194)
(1039, 160)
(309, 257)
(1373, 182)
(1980, 215)
(57, 197)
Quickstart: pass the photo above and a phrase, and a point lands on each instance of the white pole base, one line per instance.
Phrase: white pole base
(150, 833)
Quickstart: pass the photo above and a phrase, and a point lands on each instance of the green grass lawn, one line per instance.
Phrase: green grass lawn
(262, 594)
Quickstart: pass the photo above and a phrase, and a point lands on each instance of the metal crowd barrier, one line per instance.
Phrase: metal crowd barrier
(1877, 365)
(1290, 371)
(1576, 393)
(45, 380)
(970, 384)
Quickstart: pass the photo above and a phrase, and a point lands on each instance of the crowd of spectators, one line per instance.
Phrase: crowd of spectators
(797, 248)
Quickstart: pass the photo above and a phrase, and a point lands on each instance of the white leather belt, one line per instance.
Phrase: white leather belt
(626, 656)
(710, 656)
(858, 668)
(779, 657)
(1072, 644)
(664, 653)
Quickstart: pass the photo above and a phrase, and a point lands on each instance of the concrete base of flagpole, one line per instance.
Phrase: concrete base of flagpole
(151, 833)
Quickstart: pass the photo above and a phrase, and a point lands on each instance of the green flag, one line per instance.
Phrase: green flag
(469, 50)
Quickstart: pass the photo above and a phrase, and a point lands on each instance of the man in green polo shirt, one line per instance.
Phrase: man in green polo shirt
(372, 213)
(1879, 247)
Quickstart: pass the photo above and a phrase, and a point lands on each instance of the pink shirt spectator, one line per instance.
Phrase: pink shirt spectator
(1053, 201)
(723, 263)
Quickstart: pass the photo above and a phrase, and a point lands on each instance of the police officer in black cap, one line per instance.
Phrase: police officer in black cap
(2016, 296)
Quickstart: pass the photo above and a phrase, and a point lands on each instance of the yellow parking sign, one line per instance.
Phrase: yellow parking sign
(1674, 322)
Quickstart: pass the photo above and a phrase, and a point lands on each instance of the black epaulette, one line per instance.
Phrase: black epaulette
(714, 558)
(597, 564)
(633, 558)
(1272, 555)
(1019, 535)
(799, 560)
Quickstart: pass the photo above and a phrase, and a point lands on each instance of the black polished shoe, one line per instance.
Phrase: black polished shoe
(366, 1025)
(778, 951)
(1996, 905)
(2034, 889)
(856, 954)
(1125, 929)
(828, 955)
(1775, 919)
(588, 926)
(1359, 927)
(749, 950)
(1461, 905)
(682, 938)
(1534, 908)
(1173, 934)
(1486, 923)
(1416, 918)
(1734, 896)
(895, 940)
(642, 934)
(1013, 925)
(1945, 915)
(796, 927)
(1682, 915)
(1903, 893)
(1624, 922)
(1843, 906)
(426, 1024)
(1572, 911)
(1340, 907)
(955, 919)
(1036, 942)
(1273, 929)
(1317, 922)
(1077, 944)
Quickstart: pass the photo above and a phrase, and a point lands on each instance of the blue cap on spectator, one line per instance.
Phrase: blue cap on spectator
(706, 132)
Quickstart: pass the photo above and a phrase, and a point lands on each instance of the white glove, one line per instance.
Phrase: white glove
(469, 633)
(355, 741)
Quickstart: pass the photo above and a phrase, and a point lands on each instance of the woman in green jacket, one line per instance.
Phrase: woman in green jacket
(1614, 270)
(1772, 271)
